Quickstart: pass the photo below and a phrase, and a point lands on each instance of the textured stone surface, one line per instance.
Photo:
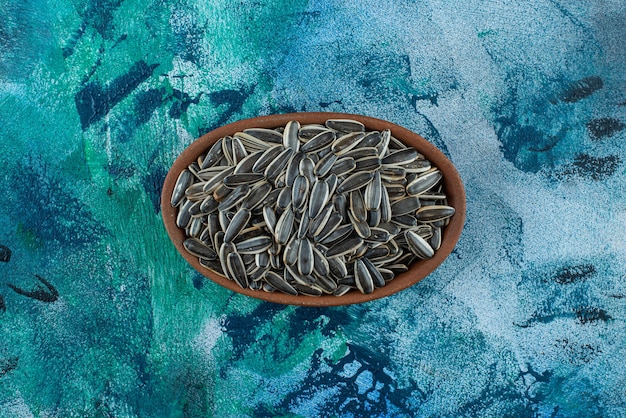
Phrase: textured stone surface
(99, 316)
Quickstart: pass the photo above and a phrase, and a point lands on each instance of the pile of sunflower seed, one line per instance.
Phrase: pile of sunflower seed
(312, 209)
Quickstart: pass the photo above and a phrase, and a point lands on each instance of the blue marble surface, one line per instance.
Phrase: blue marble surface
(99, 316)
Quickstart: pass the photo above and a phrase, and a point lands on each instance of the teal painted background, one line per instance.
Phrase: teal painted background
(100, 317)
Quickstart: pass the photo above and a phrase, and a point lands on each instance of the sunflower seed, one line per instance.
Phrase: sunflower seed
(213, 226)
(355, 181)
(332, 182)
(383, 145)
(268, 288)
(317, 224)
(184, 217)
(209, 172)
(227, 149)
(387, 274)
(279, 283)
(199, 249)
(284, 198)
(423, 230)
(266, 158)
(209, 205)
(343, 166)
(395, 143)
(406, 205)
(252, 143)
(345, 247)
(340, 203)
(357, 206)
(378, 235)
(307, 169)
(346, 142)
(338, 234)
(319, 197)
(373, 217)
(213, 265)
(418, 245)
(195, 227)
(271, 198)
(270, 219)
(361, 227)
(276, 262)
(284, 226)
(324, 165)
(402, 156)
(196, 191)
(405, 221)
(337, 268)
(262, 259)
(256, 245)
(216, 181)
(434, 213)
(373, 193)
(293, 169)
(256, 274)
(392, 228)
(256, 284)
(307, 290)
(363, 278)
(290, 135)
(423, 183)
(394, 192)
(380, 252)
(376, 276)
(342, 290)
(290, 254)
(345, 125)
(299, 192)
(435, 239)
(369, 164)
(214, 155)
(327, 285)
(239, 151)
(309, 131)
(256, 196)
(303, 227)
(320, 263)
(319, 141)
(235, 180)
(305, 257)
(185, 179)
(420, 165)
(268, 135)
(432, 195)
(274, 168)
(398, 268)
(333, 221)
(237, 269)
(361, 152)
(393, 173)
(293, 276)
(371, 139)
(234, 198)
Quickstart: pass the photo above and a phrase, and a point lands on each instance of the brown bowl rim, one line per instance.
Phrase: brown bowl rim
(417, 271)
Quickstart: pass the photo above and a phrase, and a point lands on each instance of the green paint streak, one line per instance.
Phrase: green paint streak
(485, 33)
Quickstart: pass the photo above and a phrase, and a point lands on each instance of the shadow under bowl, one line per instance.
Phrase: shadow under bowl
(418, 270)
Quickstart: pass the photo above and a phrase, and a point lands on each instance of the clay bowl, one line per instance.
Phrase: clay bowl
(417, 271)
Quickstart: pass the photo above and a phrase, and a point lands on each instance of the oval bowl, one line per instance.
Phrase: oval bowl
(417, 271)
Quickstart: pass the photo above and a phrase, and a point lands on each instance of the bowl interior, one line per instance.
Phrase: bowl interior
(417, 271)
